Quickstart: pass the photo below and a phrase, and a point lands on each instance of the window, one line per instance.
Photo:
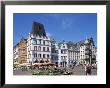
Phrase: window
(47, 55)
(34, 42)
(47, 48)
(39, 48)
(43, 55)
(60, 63)
(43, 42)
(46, 42)
(40, 41)
(39, 55)
(43, 48)
(35, 47)
(61, 51)
(35, 54)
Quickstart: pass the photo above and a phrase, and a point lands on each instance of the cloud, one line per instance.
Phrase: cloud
(66, 23)
(48, 34)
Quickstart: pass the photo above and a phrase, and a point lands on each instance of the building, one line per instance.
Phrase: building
(70, 54)
(16, 53)
(20, 51)
(88, 52)
(40, 48)
(54, 52)
(73, 53)
(63, 54)
(38, 45)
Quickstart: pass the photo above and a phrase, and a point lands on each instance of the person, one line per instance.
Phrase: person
(88, 69)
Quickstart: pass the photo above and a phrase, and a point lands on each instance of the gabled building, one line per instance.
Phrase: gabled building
(15, 53)
(40, 48)
(88, 52)
(67, 54)
(63, 54)
(20, 51)
(38, 45)
(70, 53)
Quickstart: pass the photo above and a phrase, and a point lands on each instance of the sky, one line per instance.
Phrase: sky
(60, 26)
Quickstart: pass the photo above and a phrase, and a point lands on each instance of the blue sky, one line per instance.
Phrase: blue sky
(66, 26)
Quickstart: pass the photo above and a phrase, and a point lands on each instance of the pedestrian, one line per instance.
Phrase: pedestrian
(88, 69)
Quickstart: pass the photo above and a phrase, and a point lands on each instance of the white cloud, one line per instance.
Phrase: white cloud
(48, 34)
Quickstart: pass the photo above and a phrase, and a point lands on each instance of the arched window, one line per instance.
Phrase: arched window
(35, 47)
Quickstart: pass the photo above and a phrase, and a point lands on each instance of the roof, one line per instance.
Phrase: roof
(76, 46)
(38, 29)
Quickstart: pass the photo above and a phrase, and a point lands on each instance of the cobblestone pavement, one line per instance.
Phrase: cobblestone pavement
(78, 70)
(20, 72)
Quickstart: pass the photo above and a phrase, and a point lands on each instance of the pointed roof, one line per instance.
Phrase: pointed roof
(38, 29)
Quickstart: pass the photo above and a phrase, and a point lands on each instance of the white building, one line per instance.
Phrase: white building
(42, 49)
(63, 54)
(38, 45)
(70, 53)
(67, 54)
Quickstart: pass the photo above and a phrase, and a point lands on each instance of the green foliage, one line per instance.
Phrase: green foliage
(51, 71)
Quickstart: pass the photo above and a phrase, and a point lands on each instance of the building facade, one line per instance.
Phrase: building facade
(70, 54)
(65, 54)
(16, 53)
(38, 45)
(40, 48)
(20, 51)
(54, 52)
(88, 52)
